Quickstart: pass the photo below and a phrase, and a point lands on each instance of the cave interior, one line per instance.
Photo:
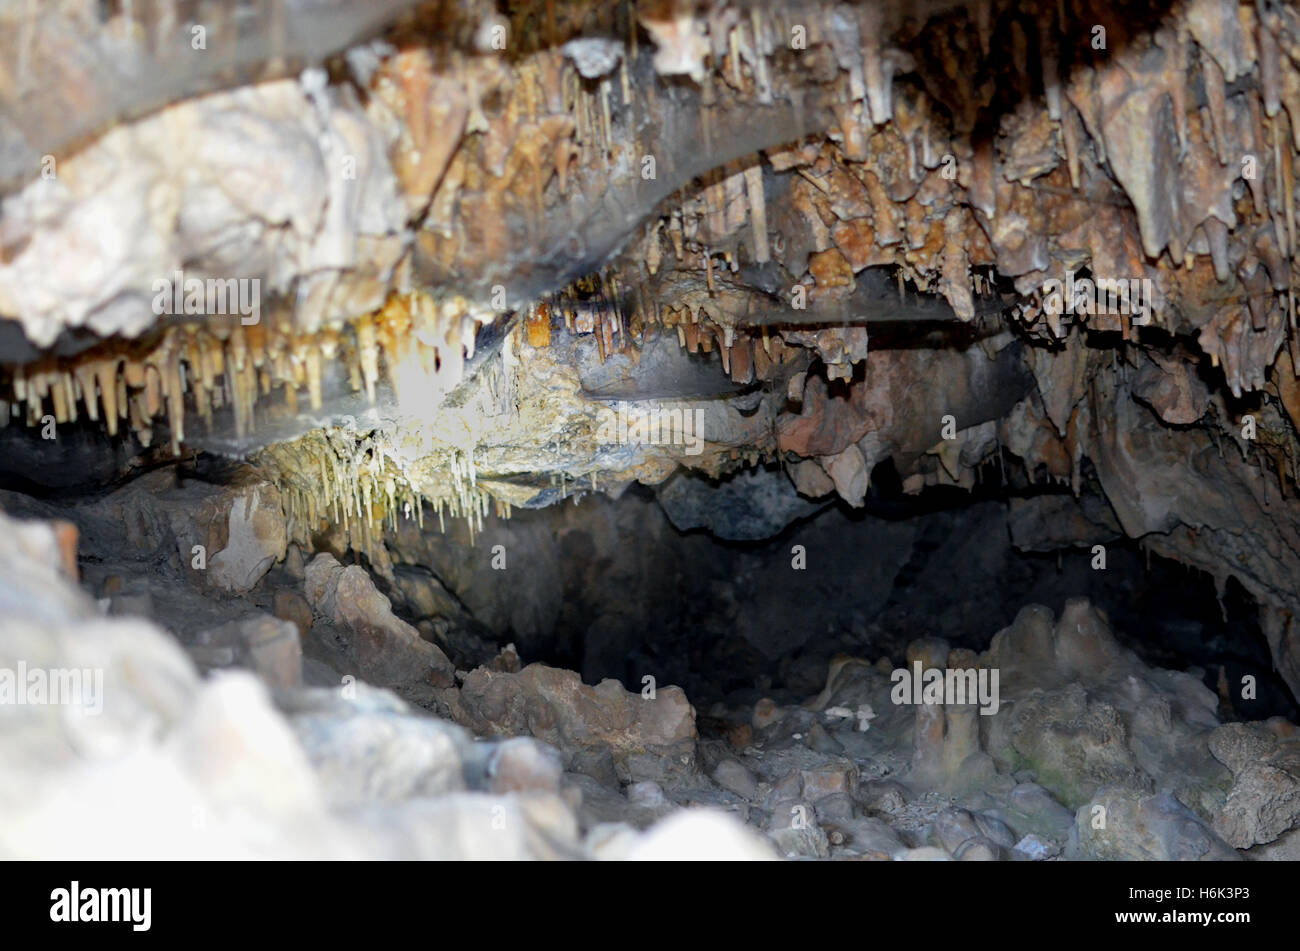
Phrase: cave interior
(610, 415)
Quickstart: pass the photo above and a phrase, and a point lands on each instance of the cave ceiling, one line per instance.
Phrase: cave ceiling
(418, 260)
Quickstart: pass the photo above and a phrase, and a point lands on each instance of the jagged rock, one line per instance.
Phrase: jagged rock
(218, 202)
(850, 473)
(1264, 802)
(1241, 745)
(255, 540)
(1037, 849)
(794, 829)
(1284, 849)
(732, 776)
(1172, 389)
(810, 479)
(386, 649)
(837, 778)
(595, 764)
(225, 536)
(1031, 810)
(1049, 523)
(1155, 827)
(644, 735)
(752, 505)
(1218, 516)
(883, 795)
(821, 741)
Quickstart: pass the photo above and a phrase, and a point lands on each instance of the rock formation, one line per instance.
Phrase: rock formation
(867, 336)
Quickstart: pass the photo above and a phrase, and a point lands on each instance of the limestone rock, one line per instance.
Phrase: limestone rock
(256, 539)
(555, 706)
(794, 829)
(754, 504)
(387, 650)
(732, 775)
(1082, 713)
(1264, 802)
(1119, 824)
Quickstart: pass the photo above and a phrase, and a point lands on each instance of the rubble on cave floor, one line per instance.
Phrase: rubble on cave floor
(271, 754)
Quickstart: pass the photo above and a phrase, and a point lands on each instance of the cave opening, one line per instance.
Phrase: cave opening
(722, 624)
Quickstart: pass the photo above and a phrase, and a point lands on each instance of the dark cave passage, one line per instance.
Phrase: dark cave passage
(740, 620)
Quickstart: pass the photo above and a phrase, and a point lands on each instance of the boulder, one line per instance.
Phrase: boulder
(387, 650)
